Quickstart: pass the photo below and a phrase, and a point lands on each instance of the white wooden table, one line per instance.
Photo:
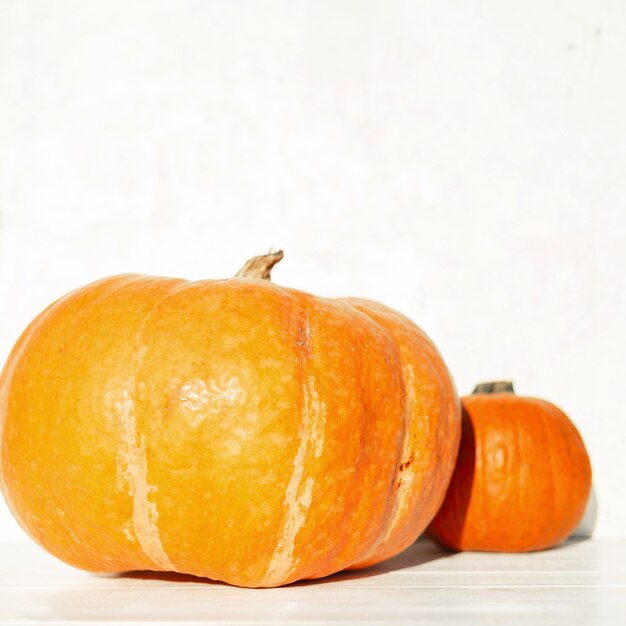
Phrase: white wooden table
(583, 582)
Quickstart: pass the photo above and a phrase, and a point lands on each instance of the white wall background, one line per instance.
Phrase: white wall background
(463, 162)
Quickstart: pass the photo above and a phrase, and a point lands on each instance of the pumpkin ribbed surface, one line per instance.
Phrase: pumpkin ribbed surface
(230, 429)
(522, 478)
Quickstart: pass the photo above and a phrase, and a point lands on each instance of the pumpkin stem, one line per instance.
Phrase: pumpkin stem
(260, 266)
(498, 386)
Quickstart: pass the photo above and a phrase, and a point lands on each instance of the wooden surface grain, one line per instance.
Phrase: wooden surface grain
(582, 582)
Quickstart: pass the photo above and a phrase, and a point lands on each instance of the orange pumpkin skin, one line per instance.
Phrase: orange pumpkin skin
(522, 478)
(229, 429)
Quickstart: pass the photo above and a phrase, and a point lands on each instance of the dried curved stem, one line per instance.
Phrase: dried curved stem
(260, 266)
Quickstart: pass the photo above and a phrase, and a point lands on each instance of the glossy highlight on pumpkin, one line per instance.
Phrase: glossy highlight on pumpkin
(231, 429)
(522, 478)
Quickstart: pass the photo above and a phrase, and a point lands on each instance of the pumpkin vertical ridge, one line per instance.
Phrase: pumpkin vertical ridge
(584, 469)
(548, 442)
(387, 527)
(282, 560)
(393, 515)
(401, 486)
(394, 363)
(145, 513)
(413, 347)
(440, 385)
(521, 492)
(8, 371)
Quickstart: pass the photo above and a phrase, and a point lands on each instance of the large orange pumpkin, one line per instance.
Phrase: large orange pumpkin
(522, 478)
(230, 429)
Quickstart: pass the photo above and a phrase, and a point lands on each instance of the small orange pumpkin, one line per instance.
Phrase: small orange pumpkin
(522, 478)
(230, 429)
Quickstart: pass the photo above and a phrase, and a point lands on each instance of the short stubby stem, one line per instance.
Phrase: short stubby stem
(497, 386)
(260, 266)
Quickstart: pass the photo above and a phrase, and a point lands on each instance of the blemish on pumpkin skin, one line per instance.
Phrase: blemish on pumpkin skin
(303, 334)
(407, 464)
